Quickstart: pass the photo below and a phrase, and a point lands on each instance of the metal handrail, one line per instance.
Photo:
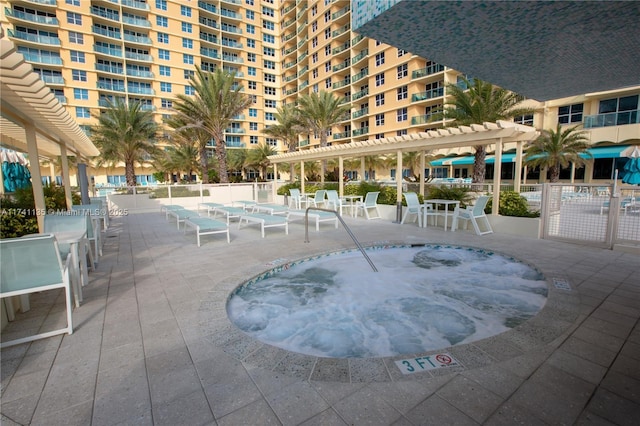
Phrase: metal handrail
(353, 237)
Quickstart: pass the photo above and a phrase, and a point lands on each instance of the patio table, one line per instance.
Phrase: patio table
(434, 203)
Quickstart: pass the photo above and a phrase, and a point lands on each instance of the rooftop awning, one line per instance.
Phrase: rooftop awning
(452, 137)
(26, 100)
(608, 151)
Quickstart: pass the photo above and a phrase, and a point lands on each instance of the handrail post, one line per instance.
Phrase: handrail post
(353, 237)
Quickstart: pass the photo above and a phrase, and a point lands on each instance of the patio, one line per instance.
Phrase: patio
(153, 345)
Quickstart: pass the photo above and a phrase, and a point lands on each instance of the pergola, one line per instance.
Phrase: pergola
(32, 120)
(502, 134)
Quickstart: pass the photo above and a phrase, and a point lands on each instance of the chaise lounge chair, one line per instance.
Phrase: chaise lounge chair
(265, 221)
(206, 226)
(474, 215)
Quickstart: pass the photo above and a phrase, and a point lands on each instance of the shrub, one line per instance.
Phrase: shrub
(446, 192)
(512, 204)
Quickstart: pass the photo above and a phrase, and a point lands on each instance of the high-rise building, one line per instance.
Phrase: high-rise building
(94, 51)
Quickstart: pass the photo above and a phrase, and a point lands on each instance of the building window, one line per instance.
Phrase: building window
(188, 74)
(251, 29)
(380, 79)
(253, 140)
(187, 43)
(73, 2)
(249, 2)
(379, 119)
(268, 25)
(269, 116)
(79, 75)
(187, 59)
(401, 53)
(327, 83)
(270, 103)
(252, 85)
(166, 103)
(76, 38)
(165, 70)
(314, 73)
(314, 42)
(77, 56)
(269, 78)
(401, 132)
(253, 112)
(269, 90)
(187, 27)
(327, 50)
(253, 126)
(314, 26)
(268, 38)
(270, 65)
(251, 71)
(185, 11)
(165, 87)
(189, 90)
(327, 33)
(74, 18)
(81, 94)
(83, 112)
(161, 4)
(402, 93)
(251, 57)
(162, 21)
(402, 114)
(251, 43)
(164, 54)
(314, 57)
(163, 38)
(380, 99)
(327, 16)
(403, 71)
(268, 51)
(526, 119)
(570, 113)
(618, 105)
(379, 59)
(250, 14)
(267, 11)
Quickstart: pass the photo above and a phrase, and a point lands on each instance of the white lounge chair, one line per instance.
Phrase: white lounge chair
(228, 212)
(32, 264)
(270, 209)
(297, 199)
(334, 202)
(370, 203)
(182, 214)
(265, 221)
(474, 214)
(318, 198)
(206, 226)
(413, 207)
(315, 215)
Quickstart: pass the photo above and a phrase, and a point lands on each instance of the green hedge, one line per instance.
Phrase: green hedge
(177, 192)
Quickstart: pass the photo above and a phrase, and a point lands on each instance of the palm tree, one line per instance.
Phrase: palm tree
(236, 159)
(287, 130)
(558, 148)
(216, 102)
(197, 136)
(483, 102)
(371, 163)
(125, 133)
(319, 112)
(183, 157)
(257, 157)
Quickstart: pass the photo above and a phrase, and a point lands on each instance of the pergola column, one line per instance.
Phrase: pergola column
(302, 177)
(36, 178)
(518, 171)
(421, 174)
(497, 172)
(399, 186)
(341, 175)
(66, 181)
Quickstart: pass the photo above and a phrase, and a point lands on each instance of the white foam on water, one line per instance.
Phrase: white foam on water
(421, 299)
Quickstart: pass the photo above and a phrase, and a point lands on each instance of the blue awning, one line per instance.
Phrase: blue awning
(506, 158)
(607, 151)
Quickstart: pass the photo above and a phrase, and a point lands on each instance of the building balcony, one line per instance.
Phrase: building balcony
(302, 11)
(340, 31)
(340, 135)
(208, 7)
(361, 131)
(234, 144)
(289, 22)
(31, 17)
(232, 58)
(61, 99)
(230, 29)
(138, 39)
(232, 44)
(303, 142)
(107, 33)
(288, 37)
(34, 38)
(342, 65)
(302, 42)
(112, 15)
(111, 86)
(142, 57)
(141, 90)
(341, 48)
(107, 51)
(342, 12)
(134, 4)
(55, 80)
(139, 73)
(423, 72)
(136, 22)
(230, 14)
(235, 130)
(302, 56)
(303, 85)
(356, 40)
(52, 3)
(360, 56)
(232, 2)
(288, 9)
(210, 23)
(112, 69)
(237, 73)
(341, 83)
(289, 50)
(238, 117)
(290, 77)
(429, 94)
(147, 107)
(302, 27)
(42, 59)
(612, 119)
(360, 94)
(210, 38)
(360, 113)
(422, 119)
(209, 53)
(303, 70)
(290, 64)
(360, 75)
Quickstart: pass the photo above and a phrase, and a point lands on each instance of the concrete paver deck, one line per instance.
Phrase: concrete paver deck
(153, 345)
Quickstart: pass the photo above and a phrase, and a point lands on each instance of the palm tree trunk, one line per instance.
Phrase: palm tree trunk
(221, 155)
(130, 174)
(479, 165)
